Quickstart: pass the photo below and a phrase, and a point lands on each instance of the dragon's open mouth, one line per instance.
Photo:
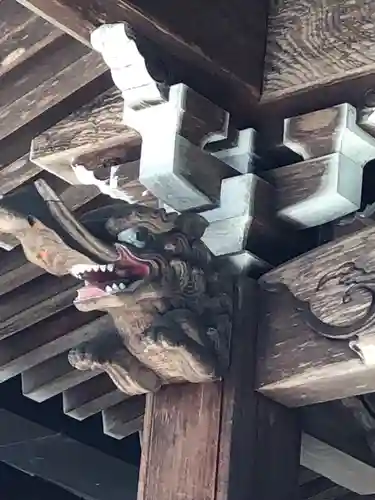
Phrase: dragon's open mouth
(122, 276)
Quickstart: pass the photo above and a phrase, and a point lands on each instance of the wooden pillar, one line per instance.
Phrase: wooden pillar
(221, 440)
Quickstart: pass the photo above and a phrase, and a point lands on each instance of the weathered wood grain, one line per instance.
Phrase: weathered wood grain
(16, 173)
(125, 418)
(82, 131)
(296, 365)
(16, 271)
(172, 156)
(91, 396)
(317, 191)
(317, 43)
(205, 61)
(34, 302)
(22, 34)
(196, 436)
(63, 69)
(319, 53)
(327, 183)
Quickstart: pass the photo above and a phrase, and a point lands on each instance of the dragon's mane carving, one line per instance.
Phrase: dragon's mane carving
(149, 271)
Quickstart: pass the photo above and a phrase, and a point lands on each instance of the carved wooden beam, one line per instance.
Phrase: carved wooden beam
(179, 42)
(94, 126)
(317, 328)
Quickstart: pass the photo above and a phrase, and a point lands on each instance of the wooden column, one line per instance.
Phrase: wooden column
(221, 440)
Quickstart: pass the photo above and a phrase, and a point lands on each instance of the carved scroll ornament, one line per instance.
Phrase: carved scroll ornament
(332, 290)
(152, 274)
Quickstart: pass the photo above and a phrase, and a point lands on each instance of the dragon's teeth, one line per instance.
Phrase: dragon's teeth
(122, 286)
(108, 289)
(79, 269)
(110, 267)
(95, 268)
(115, 288)
(103, 267)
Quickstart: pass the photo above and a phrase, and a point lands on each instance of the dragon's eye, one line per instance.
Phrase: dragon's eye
(136, 237)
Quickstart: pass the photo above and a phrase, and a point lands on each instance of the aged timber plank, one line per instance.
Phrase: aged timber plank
(335, 465)
(91, 396)
(125, 418)
(34, 302)
(198, 38)
(47, 339)
(317, 325)
(51, 377)
(196, 436)
(93, 126)
(318, 44)
(16, 270)
(327, 183)
(16, 173)
(22, 34)
(64, 67)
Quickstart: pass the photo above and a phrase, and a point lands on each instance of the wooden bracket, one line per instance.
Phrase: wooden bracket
(317, 331)
(191, 158)
(327, 183)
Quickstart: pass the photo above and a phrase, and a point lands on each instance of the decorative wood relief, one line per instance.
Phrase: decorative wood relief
(150, 271)
(317, 333)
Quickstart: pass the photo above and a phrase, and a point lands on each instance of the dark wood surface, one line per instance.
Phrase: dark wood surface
(218, 48)
(196, 436)
(318, 44)
(295, 296)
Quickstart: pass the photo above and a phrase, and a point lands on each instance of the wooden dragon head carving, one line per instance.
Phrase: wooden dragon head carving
(149, 271)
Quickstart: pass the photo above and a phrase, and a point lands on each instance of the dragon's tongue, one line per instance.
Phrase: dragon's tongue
(90, 292)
